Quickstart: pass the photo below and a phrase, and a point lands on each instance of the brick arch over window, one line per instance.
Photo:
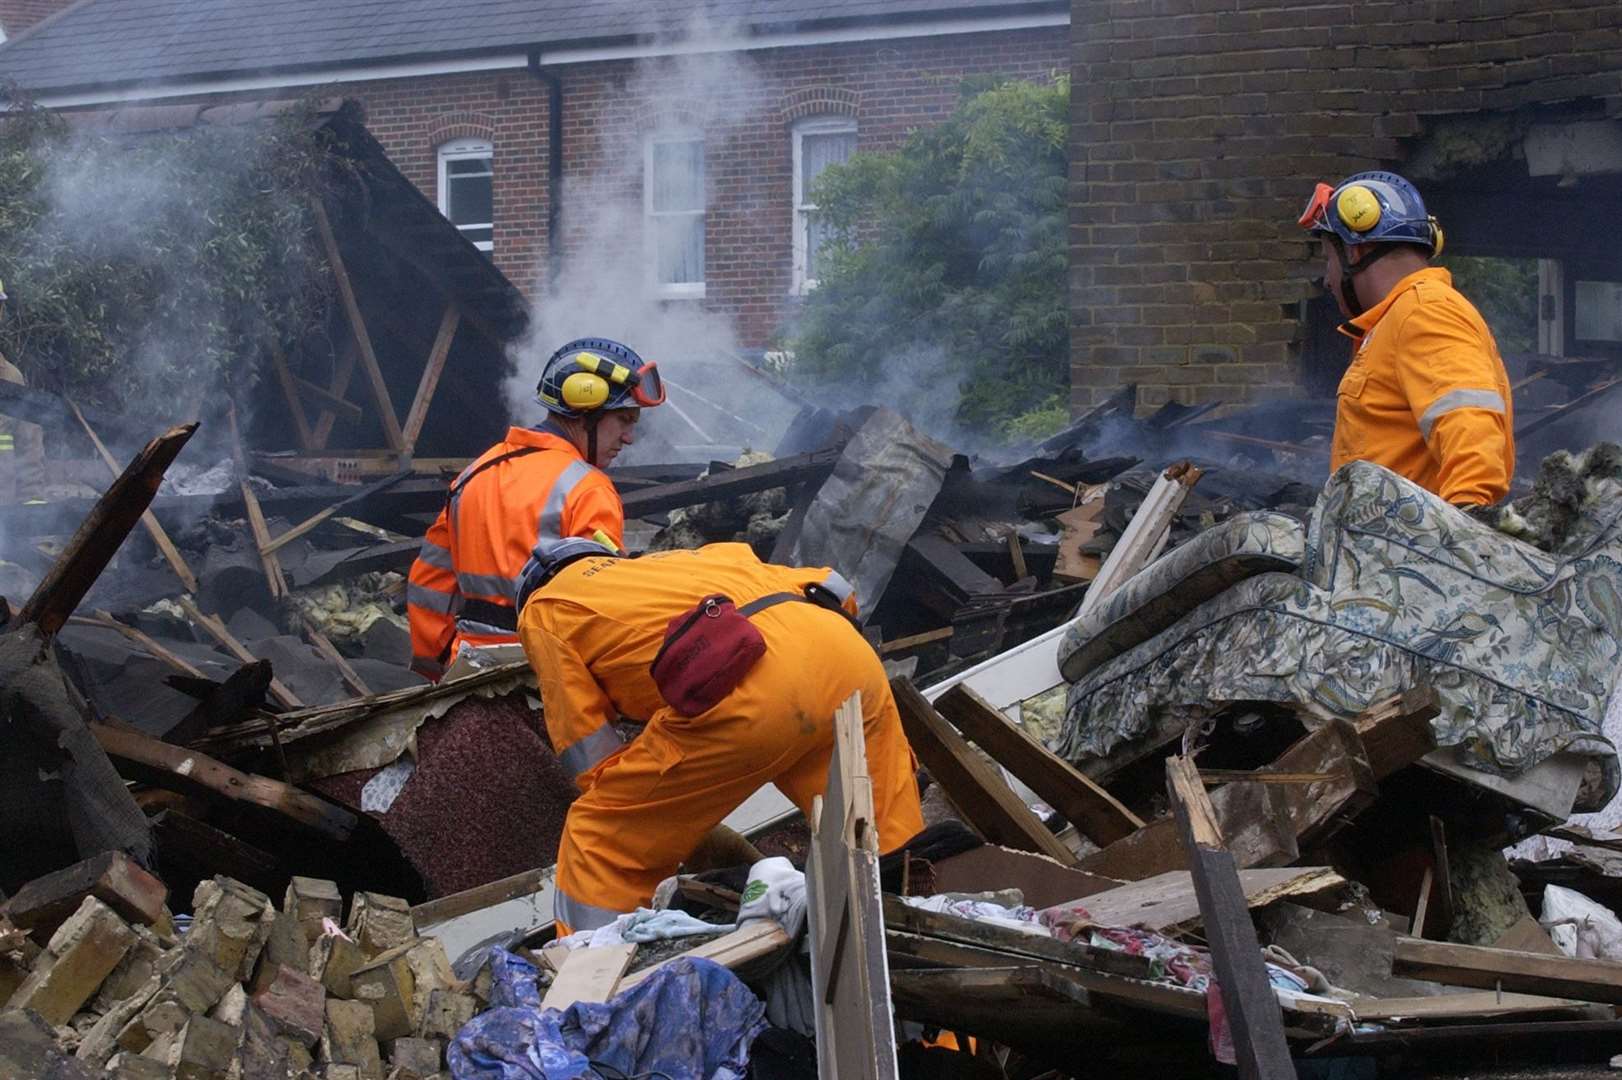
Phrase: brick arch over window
(820, 101)
(656, 116)
(460, 125)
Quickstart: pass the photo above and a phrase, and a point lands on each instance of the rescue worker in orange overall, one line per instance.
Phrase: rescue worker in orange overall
(1426, 394)
(593, 625)
(519, 499)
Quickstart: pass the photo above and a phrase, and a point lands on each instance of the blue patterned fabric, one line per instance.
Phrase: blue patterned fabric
(691, 1020)
(1397, 589)
(1189, 574)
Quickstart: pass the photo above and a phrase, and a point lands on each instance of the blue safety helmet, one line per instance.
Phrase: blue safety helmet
(591, 376)
(1372, 208)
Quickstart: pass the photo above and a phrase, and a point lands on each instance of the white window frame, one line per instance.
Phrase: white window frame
(810, 125)
(462, 150)
(685, 290)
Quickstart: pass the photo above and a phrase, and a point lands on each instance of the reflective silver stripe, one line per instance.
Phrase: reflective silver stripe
(1454, 400)
(591, 750)
(435, 556)
(578, 914)
(487, 585)
(836, 583)
(549, 529)
(484, 629)
(430, 599)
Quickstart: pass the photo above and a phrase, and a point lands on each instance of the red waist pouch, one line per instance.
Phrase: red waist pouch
(707, 651)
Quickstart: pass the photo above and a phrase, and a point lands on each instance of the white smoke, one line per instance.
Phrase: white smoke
(604, 284)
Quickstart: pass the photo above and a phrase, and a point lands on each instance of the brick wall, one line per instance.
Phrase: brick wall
(18, 15)
(890, 87)
(1200, 126)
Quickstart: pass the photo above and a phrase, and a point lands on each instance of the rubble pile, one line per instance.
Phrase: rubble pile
(239, 989)
(1220, 763)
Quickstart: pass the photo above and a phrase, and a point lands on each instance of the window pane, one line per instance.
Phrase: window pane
(471, 200)
(817, 152)
(680, 255)
(468, 167)
(816, 238)
(1598, 311)
(483, 235)
(678, 176)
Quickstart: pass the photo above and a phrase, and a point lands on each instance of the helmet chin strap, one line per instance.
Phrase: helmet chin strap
(1349, 270)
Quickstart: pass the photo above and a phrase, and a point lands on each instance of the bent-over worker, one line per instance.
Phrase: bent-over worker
(1426, 394)
(593, 626)
(533, 490)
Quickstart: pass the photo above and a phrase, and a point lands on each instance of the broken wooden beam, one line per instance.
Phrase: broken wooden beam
(418, 413)
(757, 939)
(1254, 1018)
(217, 630)
(274, 578)
(1266, 824)
(101, 533)
(330, 653)
(160, 538)
(146, 642)
(1397, 732)
(183, 769)
(975, 787)
(1145, 534)
(785, 472)
(357, 326)
(1097, 814)
(295, 406)
(850, 978)
(375, 488)
(1506, 969)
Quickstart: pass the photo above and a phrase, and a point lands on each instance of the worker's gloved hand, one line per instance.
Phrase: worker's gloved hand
(775, 891)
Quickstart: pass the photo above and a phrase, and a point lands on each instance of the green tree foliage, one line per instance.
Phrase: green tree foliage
(950, 254)
(1505, 291)
(152, 271)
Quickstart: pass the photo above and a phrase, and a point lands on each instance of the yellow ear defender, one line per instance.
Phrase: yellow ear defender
(1358, 208)
(589, 387)
(1438, 237)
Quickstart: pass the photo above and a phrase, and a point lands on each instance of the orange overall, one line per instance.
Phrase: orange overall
(1427, 395)
(592, 633)
(536, 491)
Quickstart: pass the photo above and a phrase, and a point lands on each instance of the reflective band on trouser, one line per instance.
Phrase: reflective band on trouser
(1454, 400)
(434, 555)
(430, 599)
(579, 915)
(591, 750)
(549, 527)
(837, 584)
(487, 585)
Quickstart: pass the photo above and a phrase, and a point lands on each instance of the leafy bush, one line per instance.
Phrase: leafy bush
(152, 271)
(953, 249)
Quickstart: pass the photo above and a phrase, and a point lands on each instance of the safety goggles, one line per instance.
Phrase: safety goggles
(647, 387)
(1316, 216)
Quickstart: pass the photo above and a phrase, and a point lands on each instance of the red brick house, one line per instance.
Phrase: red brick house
(679, 133)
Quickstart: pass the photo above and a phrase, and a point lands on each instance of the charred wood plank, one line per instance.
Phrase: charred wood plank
(973, 784)
(785, 472)
(1095, 812)
(1254, 1017)
(102, 533)
(182, 769)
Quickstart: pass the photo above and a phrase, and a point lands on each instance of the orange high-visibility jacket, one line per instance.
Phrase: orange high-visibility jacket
(592, 632)
(1426, 394)
(523, 494)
